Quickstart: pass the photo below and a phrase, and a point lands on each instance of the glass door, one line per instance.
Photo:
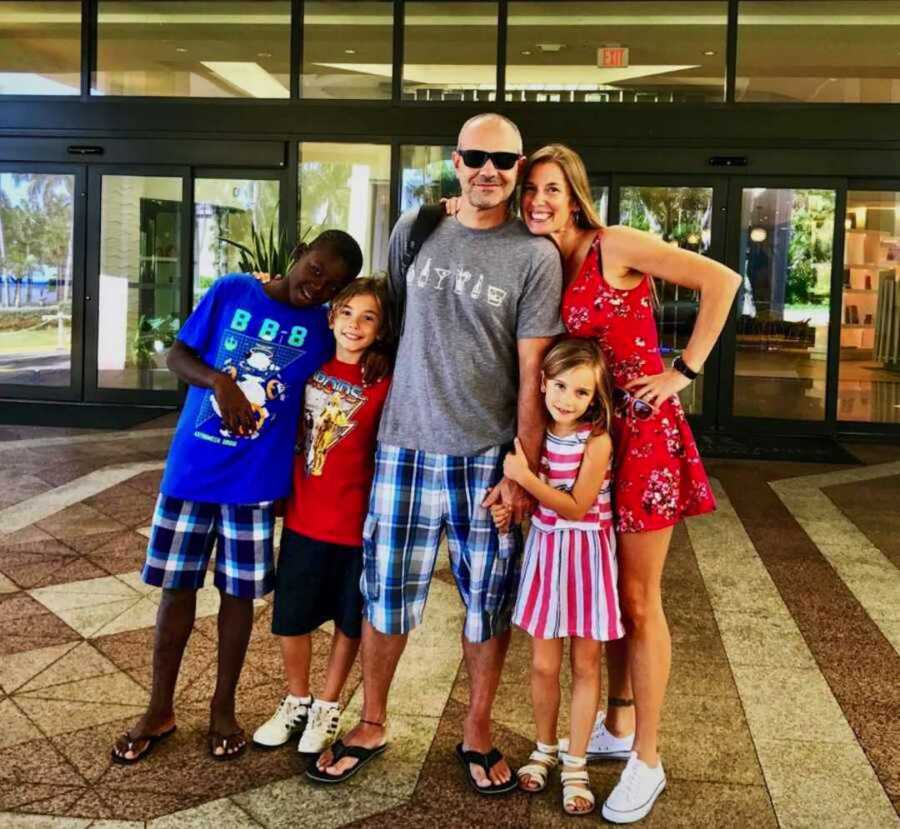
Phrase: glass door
(158, 237)
(41, 280)
(232, 208)
(869, 344)
(686, 212)
(137, 264)
(778, 343)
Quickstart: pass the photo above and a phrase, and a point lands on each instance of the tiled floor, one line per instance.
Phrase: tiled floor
(783, 710)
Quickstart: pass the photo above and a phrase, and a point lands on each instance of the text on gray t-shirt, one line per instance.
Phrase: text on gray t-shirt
(470, 295)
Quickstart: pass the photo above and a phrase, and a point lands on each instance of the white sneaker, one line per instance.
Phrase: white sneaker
(603, 745)
(635, 793)
(321, 728)
(287, 721)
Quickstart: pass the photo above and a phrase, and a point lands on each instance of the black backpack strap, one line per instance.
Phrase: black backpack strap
(426, 221)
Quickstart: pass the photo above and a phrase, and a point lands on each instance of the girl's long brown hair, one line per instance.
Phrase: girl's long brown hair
(574, 352)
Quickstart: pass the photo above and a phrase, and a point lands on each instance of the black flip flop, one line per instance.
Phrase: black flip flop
(224, 740)
(151, 739)
(487, 762)
(338, 750)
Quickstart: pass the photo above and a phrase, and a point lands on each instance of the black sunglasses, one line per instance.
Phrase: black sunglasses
(476, 159)
(623, 399)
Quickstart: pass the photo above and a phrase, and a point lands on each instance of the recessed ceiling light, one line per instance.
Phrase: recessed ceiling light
(551, 47)
(709, 53)
(263, 54)
(180, 49)
(349, 51)
(526, 51)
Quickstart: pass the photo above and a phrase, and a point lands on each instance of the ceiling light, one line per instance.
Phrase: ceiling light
(263, 54)
(526, 51)
(551, 47)
(349, 51)
(180, 49)
(709, 53)
(758, 234)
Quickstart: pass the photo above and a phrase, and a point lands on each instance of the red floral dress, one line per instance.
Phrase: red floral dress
(658, 476)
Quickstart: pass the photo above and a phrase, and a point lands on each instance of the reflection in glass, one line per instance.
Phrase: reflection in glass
(600, 195)
(348, 187)
(348, 49)
(36, 230)
(681, 216)
(781, 56)
(227, 209)
(782, 307)
(427, 175)
(40, 48)
(140, 281)
(612, 52)
(227, 49)
(450, 51)
(869, 375)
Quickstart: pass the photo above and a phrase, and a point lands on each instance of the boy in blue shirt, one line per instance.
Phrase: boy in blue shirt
(247, 351)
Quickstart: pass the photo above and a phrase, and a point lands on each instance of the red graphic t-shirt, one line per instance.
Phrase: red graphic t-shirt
(333, 473)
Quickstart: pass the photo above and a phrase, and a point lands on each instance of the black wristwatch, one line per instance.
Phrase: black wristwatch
(683, 368)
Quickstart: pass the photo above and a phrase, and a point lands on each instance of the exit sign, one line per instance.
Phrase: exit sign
(612, 57)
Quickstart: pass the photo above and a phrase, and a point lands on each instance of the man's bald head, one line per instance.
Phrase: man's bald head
(495, 122)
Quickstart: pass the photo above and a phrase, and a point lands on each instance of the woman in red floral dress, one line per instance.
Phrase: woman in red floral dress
(658, 474)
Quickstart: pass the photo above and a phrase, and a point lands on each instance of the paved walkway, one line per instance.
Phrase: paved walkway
(784, 706)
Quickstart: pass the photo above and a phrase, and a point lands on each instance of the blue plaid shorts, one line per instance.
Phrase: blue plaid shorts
(182, 539)
(415, 496)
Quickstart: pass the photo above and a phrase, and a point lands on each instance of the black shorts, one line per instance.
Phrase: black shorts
(316, 582)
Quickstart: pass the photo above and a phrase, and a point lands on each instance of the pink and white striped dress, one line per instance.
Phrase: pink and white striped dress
(569, 571)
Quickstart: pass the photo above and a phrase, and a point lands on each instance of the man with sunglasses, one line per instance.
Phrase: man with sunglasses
(482, 301)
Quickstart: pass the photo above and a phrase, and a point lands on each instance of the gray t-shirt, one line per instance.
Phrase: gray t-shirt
(470, 295)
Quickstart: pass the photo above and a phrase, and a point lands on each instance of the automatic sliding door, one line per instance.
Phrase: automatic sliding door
(684, 215)
(138, 263)
(782, 314)
(869, 367)
(41, 222)
(231, 207)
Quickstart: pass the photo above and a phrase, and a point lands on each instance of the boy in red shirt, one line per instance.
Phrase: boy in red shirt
(320, 563)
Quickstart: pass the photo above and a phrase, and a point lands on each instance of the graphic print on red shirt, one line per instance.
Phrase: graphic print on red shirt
(333, 475)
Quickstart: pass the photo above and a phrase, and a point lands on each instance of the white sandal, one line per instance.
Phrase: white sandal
(542, 760)
(576, 784)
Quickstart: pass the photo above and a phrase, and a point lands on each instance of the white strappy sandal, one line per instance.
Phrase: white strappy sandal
(541, 761)
(576, 784)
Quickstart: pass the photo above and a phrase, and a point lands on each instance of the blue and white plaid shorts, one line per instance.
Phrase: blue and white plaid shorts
(415, 496)
(182, 539)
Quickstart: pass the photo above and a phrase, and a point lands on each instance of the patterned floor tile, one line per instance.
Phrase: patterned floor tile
(10, 820)
(62, 716)
(810, 786)
(80, 520)
(27, 625)
(212, 815)
(30, 570)
(15, 727)
(18, 669)
(79, 663)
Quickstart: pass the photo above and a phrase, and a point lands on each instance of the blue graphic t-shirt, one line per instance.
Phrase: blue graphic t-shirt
(270, 349)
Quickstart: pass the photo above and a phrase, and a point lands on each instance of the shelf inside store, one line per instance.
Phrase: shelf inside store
(851, 325)
(860, 290)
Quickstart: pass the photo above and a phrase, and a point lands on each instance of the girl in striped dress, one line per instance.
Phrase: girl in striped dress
(568, 582)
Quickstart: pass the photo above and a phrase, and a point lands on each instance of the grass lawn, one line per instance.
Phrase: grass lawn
(44, 340)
